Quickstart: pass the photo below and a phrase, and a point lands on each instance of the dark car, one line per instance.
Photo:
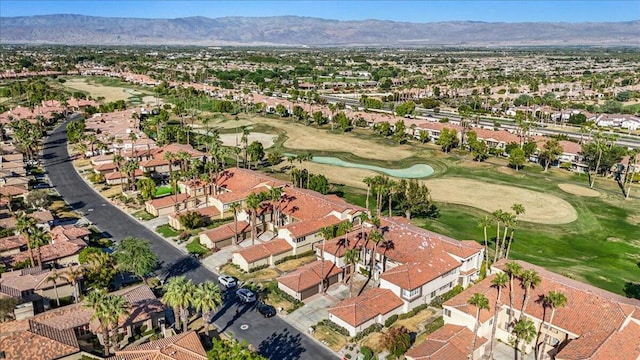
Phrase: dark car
(266, 310)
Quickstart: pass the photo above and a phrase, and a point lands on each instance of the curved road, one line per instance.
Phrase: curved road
(272, 337)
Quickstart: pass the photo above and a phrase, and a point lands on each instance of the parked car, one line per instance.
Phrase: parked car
(266, 310)
(246, 295)
(228, 281)
(41, 186)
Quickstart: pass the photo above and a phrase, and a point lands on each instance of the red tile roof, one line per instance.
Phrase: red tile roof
(185, 346)
(25, 345)
(30, 279)
(13, 190)
(593, 314)
(264, 250)
(12, 242)
(309, 275)
(360, 309)
(226, 231)
(623, 344)
(170, 200)
(307, 227)
(450, 342)
(413, 275)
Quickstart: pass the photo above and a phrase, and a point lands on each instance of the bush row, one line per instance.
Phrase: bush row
(371, 329)
(415, 310)
(291, 257)
(333, 326)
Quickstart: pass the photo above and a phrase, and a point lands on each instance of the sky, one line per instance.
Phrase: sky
(411, 11)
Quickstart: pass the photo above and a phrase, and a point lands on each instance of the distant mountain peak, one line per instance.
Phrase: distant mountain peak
(72, 29)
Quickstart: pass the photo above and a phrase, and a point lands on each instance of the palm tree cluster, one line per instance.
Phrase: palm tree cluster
(182, 294)
(108, 310)
(522, 328)
(28, 136)
(506, 220)
(36, 236)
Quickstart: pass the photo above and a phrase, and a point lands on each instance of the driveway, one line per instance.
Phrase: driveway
(273, 337)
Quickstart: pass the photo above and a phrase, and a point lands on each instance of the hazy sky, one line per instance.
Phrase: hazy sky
(413, 11)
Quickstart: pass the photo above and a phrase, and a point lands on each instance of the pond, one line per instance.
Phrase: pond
(412, 172)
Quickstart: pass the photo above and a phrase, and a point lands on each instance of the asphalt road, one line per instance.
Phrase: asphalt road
(272, 337)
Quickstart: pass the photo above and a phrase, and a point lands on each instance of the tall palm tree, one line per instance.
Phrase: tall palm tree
(326, 233)
(235, 207)
(206, 297)
(530, 279)
(480, 302)
(74, 275)
(369, 181)
(513, 270)
(25, 225)
(518, 209)
(252, 203)
(507, 220)
(96, 300)
(377, 238)
(553, 300)
(38, 239)
(179, 295)
(351, 257)
(53, 278)
(497, 216)
(484, 223)
(118, 308)
(275, 195)
(524, 330)
(392, 188)
(499, 282)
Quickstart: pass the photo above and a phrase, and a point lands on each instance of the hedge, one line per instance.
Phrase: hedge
(367, 353)
(333, 326)
(254, 269)
(392, 319)
(371, 329)
(411, 313)
(441, 299)
(291, 257)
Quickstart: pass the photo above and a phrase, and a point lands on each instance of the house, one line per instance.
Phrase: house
(119, 177)
(11, 245)
(170, 204)
(262, 254)
(32, 285)
(306, 281)
(157, 165)
(206, 215)
(593, 324)
(179, 347)
(31, 345)
(358, 313)
(224, 235)
(66, 243)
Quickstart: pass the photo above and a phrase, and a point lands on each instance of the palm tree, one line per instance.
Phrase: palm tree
(553, 300)
(206, 297)
(369, 181)
(171, 158)
(518, 209)
(118, 307)
(530, 279)
(391, 191)
(53, 278)
(326, 233)
(252, 202)
(96, 300)
(245, 143)
(39, 238)
(512, 269)
(497, 216)
(376, 237)
(507, 219)
(499, 281)
(235, 207)
(524, 330)
(179, 295)
(351, 257)
(275, 195)
(484, 223)
(24, 225)
(480, 302)
(73, 275)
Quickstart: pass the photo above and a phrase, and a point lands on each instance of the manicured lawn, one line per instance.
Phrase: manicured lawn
(143, 215)
(267, 274)
(194, 247)
(163, 190)
(167, 231)
(330, 338)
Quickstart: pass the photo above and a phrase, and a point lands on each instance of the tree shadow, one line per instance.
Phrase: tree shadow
(632, 290)
(282, 346)
(241, 308)
(181, 267)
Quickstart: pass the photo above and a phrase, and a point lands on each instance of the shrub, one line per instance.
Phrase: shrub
(365, 272)
(392, 319)
(397, 341)
(565, 166)
(441, 299)
(191, 220)
(335, 327)
(298, 256)
(254, 269)
(96, 178)
(371, 329)
(411, 313)
(367, 353)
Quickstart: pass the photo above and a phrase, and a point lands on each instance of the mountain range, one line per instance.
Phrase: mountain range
(304, 31)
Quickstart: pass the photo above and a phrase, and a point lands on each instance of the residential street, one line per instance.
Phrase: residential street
(272, 337)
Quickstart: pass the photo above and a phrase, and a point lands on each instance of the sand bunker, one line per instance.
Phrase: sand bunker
(578, 190)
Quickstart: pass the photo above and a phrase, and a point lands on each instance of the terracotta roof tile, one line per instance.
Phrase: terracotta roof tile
(415, 274)
(169, 200)
(450, 342)
(226, 231)
(358, 310)
(26, 345)
(184, 346)
(264, 250)
(309, 275)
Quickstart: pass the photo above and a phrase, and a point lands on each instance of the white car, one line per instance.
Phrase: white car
(228, 281)
(246, 295)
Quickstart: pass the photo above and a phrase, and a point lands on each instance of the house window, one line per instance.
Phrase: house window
(447, 312)
(301, 239)
(433, 294)
(410, 294)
